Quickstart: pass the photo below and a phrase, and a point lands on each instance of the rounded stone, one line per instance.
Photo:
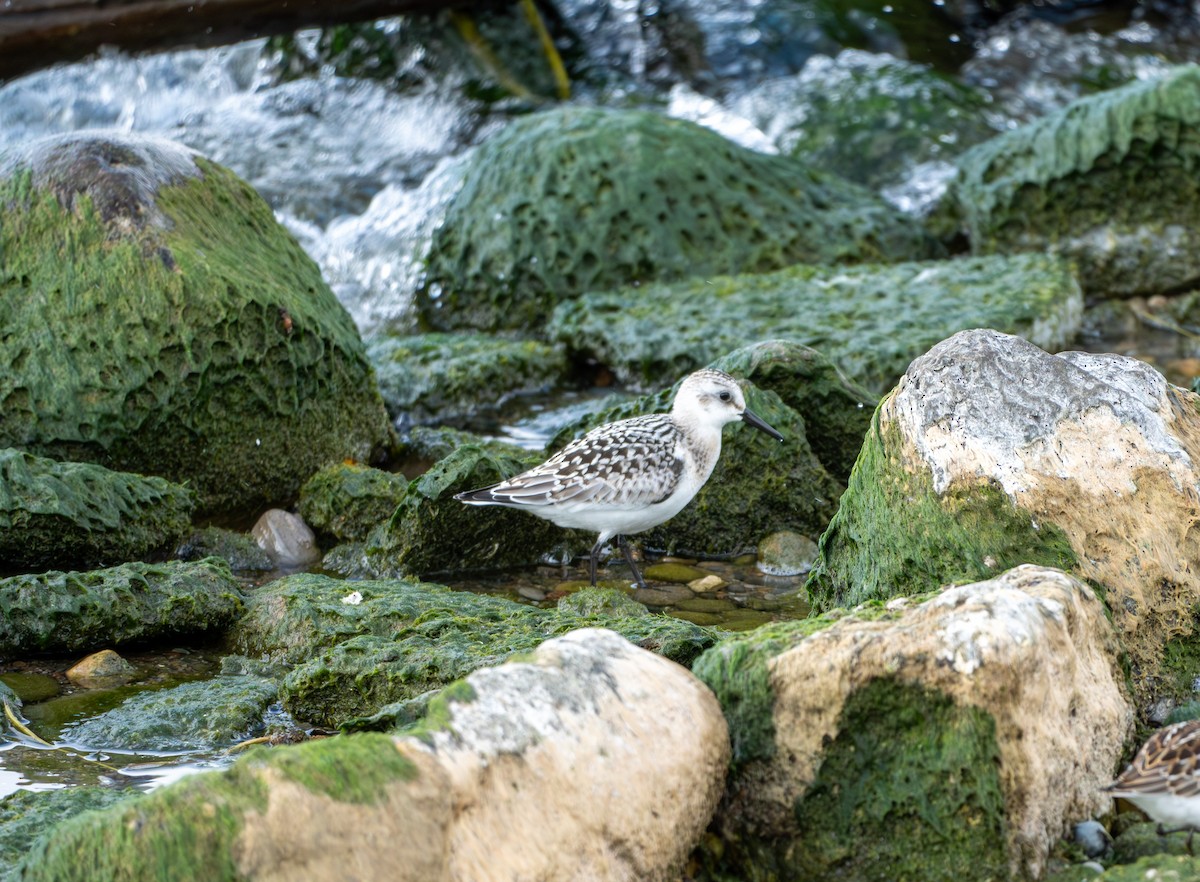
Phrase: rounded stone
(101, 670)
(286, 539)
(786, 554)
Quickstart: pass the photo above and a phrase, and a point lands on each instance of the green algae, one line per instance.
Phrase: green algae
(581, 199)
(27, 816)
(908, 791)
(359, 676)
(601, 603)
(239, 550)
(443, 375)
(358, 768)
(184, 319)
(346, 501)
(893, 535)
(57, 611)
(869, 320)
(82, 515)
(1110, 181)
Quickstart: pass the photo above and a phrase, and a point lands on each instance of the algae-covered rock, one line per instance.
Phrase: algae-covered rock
(28, 816)
(1112, 182)
(74, 612)
(192, 716)
(60, 514)
(432, 532)
(160, 320)
(584, 737)
(439, 376)
(870, 320)
(1175, 867)
(871, 118)
(239, 550)
(991, 452)
(400, 639)
(580, 199)
(942, 740)
(346, 501)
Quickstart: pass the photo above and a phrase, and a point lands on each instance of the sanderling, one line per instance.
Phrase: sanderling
(631, 475)
(1164, 778)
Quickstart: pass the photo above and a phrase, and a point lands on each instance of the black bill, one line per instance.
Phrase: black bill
(755, 420)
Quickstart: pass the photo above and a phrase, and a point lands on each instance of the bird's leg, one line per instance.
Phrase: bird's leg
(1191, 832)
(628, 552)
(592, 561)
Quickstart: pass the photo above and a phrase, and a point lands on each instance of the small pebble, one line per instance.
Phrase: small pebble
(531, 593)
(286, 539)
(662, 595)
(786, 554)
(102, 670)
(708, 584)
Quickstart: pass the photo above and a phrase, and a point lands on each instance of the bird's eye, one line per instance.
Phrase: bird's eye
(725, 396)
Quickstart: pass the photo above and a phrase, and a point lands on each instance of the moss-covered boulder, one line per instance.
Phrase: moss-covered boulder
(361, 646)
(1112, 182)
(192, 716)
(160, 320)
(580, 199)
(346, 501)
(432, 532)
(69, 514)
(361, 676)
(1177, 867)
(871, 118)
(80, 612)
(439, 376)
(871, 320)
(27, 817)
(942, 740)
(991, 452)
(585, 735)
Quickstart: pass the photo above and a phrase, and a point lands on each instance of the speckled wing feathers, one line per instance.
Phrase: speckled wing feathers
(1168, 763)
(632, 462)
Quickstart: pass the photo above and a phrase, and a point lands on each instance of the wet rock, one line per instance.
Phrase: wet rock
(871, 118)
(28, 686)
(786, 553)
(286, 539)
(706, 585)
(662, 595)
(985, 719)
(530, 740)
(77, 612)
(673, 572)
(1106, 182)
(242, 373)
(345, 501)
(602, 603)
(432, 532)
(193, 716)
(627, 196)
(869, 320)
(239, 550)
(751, 491)
(992, 452)
(404, 638)
(101, 670)
(76, 514)
(441, 376)
(1092, 838)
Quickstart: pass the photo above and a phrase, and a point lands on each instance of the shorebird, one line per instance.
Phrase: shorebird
(1164, 778)
(631, 475)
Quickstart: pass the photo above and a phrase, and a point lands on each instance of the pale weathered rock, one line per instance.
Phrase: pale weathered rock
(101, 670)
(286, 539)
(991, 452)
(592, 760)
(1031, 649)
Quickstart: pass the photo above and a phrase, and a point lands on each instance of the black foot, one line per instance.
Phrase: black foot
(628, 552)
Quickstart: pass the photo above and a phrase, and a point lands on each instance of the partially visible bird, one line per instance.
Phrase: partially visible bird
(634, 474)
(1164, 778)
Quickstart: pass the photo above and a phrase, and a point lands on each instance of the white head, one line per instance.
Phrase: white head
(713, 398)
